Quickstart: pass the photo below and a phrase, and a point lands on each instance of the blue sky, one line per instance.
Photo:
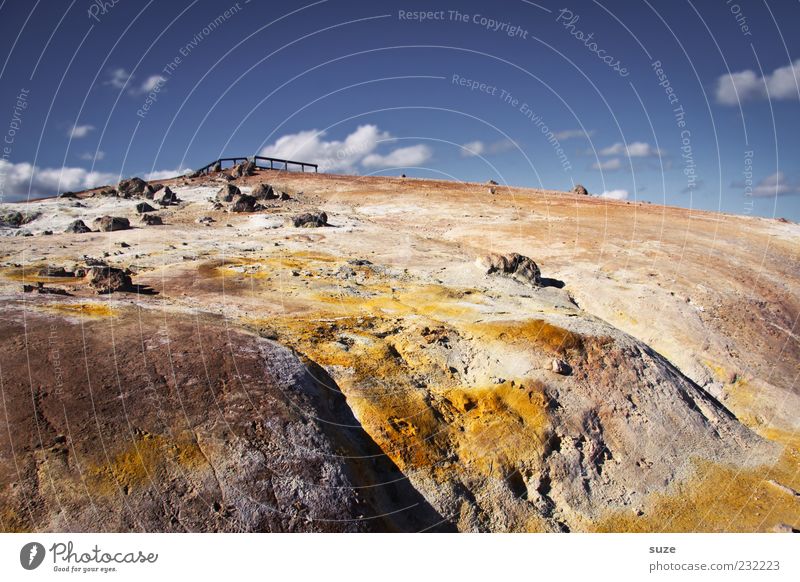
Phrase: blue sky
(689, 103)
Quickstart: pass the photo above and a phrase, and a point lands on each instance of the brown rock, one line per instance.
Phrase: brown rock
(108, 279)
(111, 223)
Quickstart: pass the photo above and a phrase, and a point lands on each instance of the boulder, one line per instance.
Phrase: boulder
(165, 197)
(264, 192)
(243, 203)
(310, 220)
(580, 190)
(151, 219)
(78, 226)
(68, 195)
(143, 207)
(111, 223)
(228, 192)
(247, 168)
(108, 279)
(217, 167)
(51, 271)
(560, 367)
(514, 265)
(15, 219)
(132, 187)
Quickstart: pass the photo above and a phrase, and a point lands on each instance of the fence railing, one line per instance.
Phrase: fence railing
(274, 164)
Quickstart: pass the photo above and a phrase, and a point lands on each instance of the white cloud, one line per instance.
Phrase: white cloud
(401, 157)
(118, 78)
(151, 83)
(15, 180)
(478, 148)
(308, 146)
(473, 148)
(774, 185)
(748, 85)
(636, 149)
(79, 131)
(612, 164)
(164, 174)
(573, 133)
(615, 194)
(92, 156)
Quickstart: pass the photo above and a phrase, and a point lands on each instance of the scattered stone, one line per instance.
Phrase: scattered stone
(108, 279)
(264, 192)
(491, 183)
(515, 265)
(166, 197)
(151, 219)
(143, 207)
(310, 220)
(68, 195)
(492, 190)
(285, 196)
(123, 244)
(560, 367)
(133, 187)
(78, 227)
(106, 192)
(40, 288)
(15, 219)
(111, 223)
(580, 190)
(359, 262)
(205, 220)
(247, 168)
(47, 232)
(732, 377)
(228, 192)
(243, 203)
(50, 271)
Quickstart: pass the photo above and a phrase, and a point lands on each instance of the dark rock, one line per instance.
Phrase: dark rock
(264, 192)
(310, 220)
(491, 183)
(111, 223)
(247, 168)
(68, 195)
(151, 219)
(50, 271)
(143, 207)
(580, 190)
(228, 192)
(108, 279)
(165, 197)
(40, 288)
(515, 265)
(243, 203)
(133, 187)
(15, 219)
(78, 226)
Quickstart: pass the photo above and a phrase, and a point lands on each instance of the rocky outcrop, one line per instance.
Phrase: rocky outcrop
(165, 197)
(513, 265)
(143, 207)
(265, 442)
(151, 219)
(247, 168)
